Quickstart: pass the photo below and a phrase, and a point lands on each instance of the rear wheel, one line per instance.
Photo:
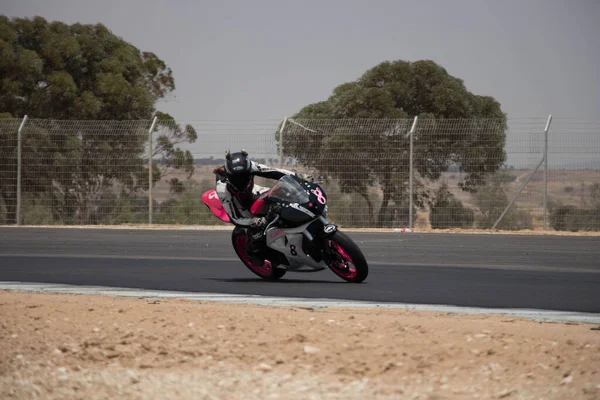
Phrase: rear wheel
(345, 258)
(266, 271)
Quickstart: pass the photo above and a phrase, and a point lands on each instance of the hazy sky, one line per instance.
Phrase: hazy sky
(265, 59)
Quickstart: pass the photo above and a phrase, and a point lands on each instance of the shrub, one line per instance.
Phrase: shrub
(401, 214)
(491, 201)
(128, 210)
(35, 211)
(559, 215)
(448, 212)
(589, 219)
(573, 219)
(186, 210)
(2, 212)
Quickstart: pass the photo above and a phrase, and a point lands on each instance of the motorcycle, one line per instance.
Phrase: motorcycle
(298, 238)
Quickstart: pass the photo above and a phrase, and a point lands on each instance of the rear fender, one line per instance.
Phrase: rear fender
(211, 199)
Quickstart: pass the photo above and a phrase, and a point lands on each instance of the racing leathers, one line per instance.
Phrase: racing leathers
(237, 205)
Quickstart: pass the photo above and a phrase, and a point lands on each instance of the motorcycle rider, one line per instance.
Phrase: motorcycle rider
(237, 192)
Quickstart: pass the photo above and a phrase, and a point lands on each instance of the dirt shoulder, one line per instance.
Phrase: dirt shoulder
(57, 346)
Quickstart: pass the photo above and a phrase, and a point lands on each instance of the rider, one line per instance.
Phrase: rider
(237, 191)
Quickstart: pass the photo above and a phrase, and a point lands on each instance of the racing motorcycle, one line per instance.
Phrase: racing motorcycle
(298, 238)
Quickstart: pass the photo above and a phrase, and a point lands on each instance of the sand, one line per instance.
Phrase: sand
(66, 346)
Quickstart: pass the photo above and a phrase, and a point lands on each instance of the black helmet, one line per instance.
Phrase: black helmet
(238, 168)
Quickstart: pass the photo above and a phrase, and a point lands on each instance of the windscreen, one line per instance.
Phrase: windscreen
(287, 189)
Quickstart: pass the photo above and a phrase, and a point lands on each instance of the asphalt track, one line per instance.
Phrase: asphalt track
(496, 271)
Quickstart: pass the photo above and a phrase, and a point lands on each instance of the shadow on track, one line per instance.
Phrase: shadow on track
(280, 281)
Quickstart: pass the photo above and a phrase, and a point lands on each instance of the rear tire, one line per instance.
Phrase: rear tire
(345, 258)
(267, 271)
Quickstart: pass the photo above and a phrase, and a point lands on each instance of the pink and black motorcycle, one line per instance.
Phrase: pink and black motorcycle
(299, 238)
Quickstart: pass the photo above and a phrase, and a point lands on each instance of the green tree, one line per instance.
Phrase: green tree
(360, 152)
(172, 157)
(60, 71)
(51, 70)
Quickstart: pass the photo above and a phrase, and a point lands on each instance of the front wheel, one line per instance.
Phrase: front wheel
(266, 271)
(345, 258)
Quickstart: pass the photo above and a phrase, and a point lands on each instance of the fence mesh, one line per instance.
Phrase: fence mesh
(363, 164)
(466, 172)
(83, 172)
(8, 170)
(177, 194)
(574, 174)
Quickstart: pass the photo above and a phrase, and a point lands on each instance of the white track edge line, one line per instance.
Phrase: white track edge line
(533, 314)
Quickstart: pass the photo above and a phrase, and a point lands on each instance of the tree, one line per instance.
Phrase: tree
(60, 71)
(358, 135)
(173, 157)
(51, 70)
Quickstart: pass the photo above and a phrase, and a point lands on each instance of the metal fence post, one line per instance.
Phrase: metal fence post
(543, 160)
(411, 173)
(150, 206)
(281, 142)
(546, 172)
(19, 167)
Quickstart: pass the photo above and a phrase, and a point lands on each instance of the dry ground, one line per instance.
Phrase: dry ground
(55, 346)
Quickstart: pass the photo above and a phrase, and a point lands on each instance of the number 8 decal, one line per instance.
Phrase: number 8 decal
(293, 250)
(320, 198)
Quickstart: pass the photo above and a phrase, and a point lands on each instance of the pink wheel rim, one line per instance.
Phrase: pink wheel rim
(264, 270)
(344, 267)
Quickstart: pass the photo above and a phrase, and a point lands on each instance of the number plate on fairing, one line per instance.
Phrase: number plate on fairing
(291, 246)
(289, 243)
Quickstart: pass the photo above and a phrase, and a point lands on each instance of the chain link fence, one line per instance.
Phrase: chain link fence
(573, 175)
(177, 194)
(424, 173)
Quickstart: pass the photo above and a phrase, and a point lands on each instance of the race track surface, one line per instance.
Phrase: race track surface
(500, 271)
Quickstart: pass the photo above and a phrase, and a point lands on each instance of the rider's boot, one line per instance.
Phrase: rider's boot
(256, 247)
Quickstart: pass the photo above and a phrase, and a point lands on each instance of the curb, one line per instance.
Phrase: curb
(532, 314)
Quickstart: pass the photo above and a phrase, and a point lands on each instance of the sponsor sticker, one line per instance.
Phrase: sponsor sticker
(329, 228)
(300, 208)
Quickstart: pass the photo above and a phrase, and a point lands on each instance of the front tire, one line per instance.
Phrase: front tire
(345, 258)
(267, 271)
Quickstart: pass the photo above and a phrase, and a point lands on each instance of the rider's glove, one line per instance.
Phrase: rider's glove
(258, 222)
(305, 177)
